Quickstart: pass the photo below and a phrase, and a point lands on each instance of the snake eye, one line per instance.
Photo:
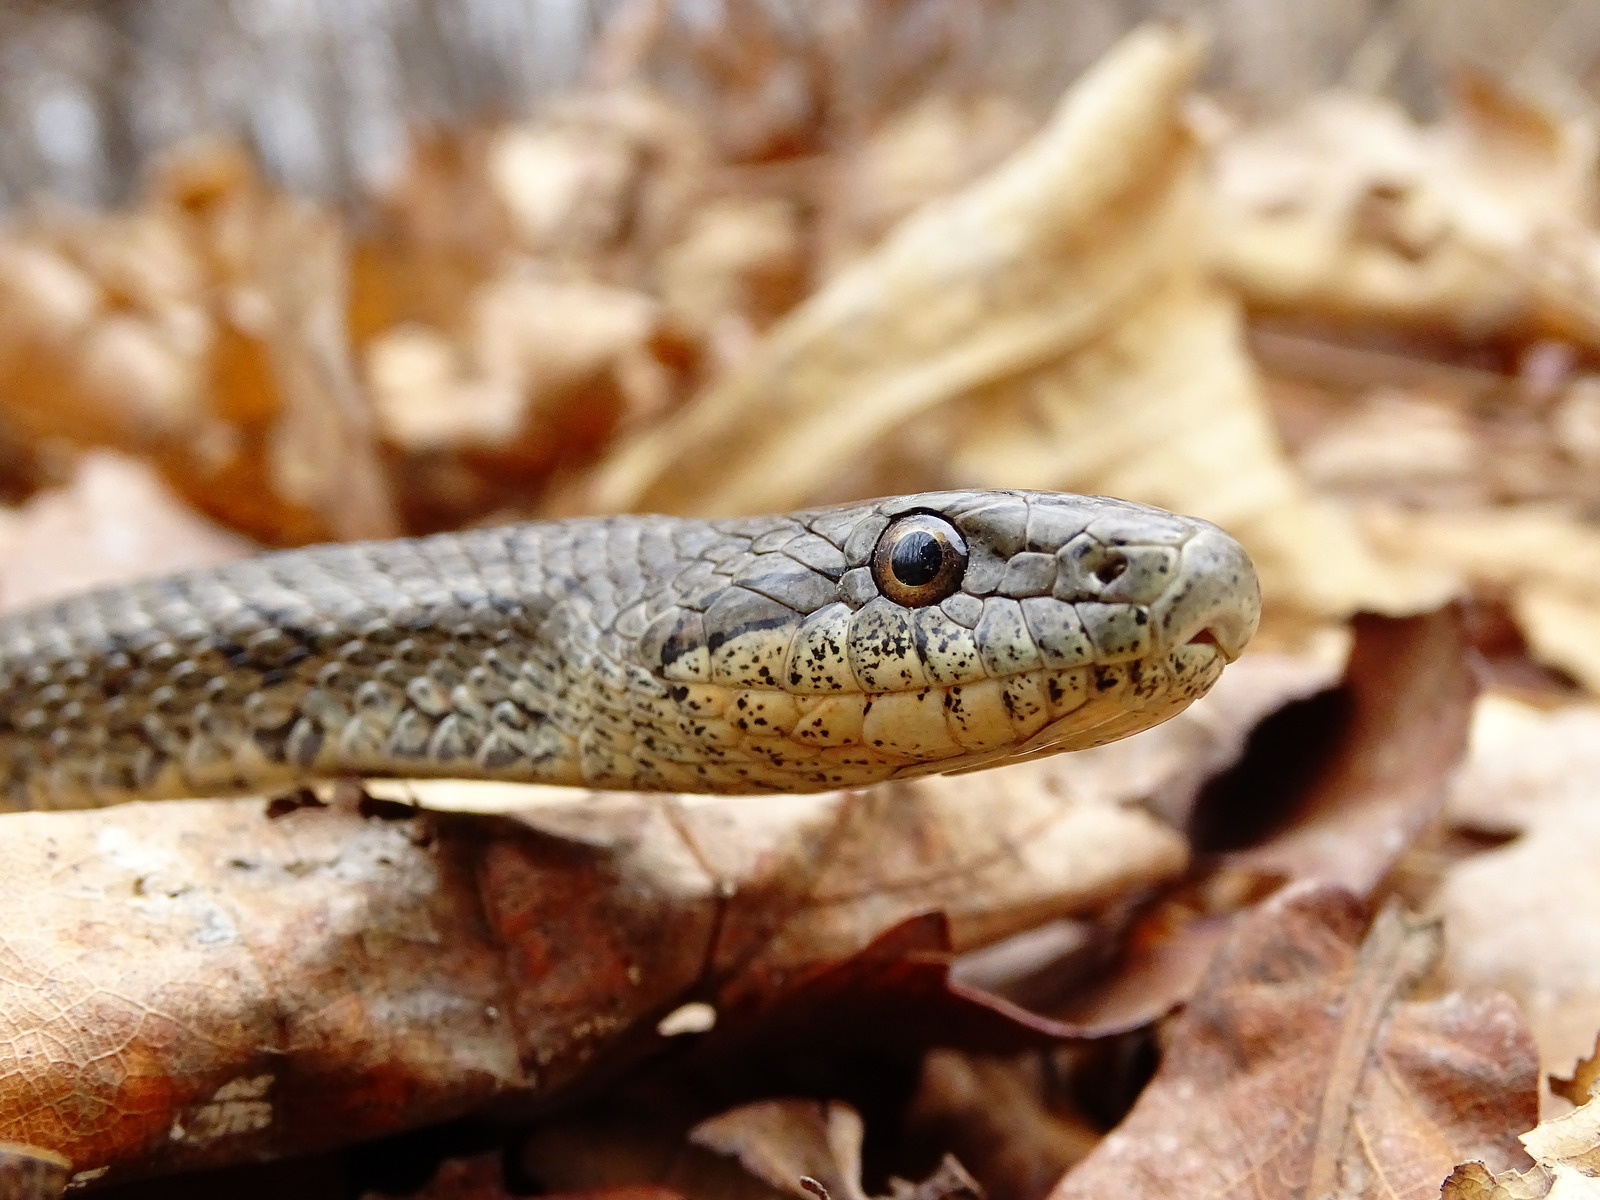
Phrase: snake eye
(919, 560)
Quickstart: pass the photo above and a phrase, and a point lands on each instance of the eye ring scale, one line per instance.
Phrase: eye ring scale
(919, 560)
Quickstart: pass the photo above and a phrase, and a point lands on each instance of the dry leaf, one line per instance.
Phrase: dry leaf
(271, 985)
(482, 1177)
(320, 448)
(207, 332)
(1302, 1068)
(994, 279)
(935, 145)
(530, 345)
(1000, 1117)
(1382, 769)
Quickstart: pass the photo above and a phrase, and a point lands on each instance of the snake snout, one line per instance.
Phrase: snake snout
(1216, 599)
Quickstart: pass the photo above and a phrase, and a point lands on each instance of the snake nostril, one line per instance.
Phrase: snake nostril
(1111, 568)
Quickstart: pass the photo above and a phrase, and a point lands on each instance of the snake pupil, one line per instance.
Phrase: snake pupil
(916, 558)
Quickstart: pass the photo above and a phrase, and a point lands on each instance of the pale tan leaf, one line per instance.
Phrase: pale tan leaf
(987, 282)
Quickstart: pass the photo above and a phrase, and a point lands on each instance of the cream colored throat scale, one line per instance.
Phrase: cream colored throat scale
(831, 648)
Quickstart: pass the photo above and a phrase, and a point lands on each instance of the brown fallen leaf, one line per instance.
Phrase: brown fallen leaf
(197, 983)
(1301, 1069)
(922, 318)
(512, 384)
(809, 1149)
(283, 331)
(206, 331)
(618, 1154)
(1379, 768)
(937, 143)
(482, 1177)
(1334, 787)
(99, 340)
(764, 1150)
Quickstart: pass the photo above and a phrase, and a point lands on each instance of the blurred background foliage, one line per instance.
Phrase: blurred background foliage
(324, 91)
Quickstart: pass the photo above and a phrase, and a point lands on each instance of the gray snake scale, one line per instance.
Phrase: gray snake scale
(645, 652)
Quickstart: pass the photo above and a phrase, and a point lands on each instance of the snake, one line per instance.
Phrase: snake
(831, 648)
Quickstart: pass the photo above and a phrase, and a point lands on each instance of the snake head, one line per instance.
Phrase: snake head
(947, 631)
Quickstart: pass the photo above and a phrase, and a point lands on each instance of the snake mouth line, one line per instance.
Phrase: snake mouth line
(1227, 640)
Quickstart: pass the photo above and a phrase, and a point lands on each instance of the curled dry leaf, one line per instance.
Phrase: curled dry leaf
(1521, 916)
(990, 280)
(1064, 290)
(1397, 734)
(197, 983)
(1302, 1067)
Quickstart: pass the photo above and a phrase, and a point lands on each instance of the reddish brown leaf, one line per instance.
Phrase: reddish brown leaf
(197, 983)
(1301, 1068)
(1407, 704)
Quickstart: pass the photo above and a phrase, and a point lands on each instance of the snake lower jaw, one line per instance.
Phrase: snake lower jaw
(1126, 699)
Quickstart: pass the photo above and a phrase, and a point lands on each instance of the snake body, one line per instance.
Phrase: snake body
(645, 652)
